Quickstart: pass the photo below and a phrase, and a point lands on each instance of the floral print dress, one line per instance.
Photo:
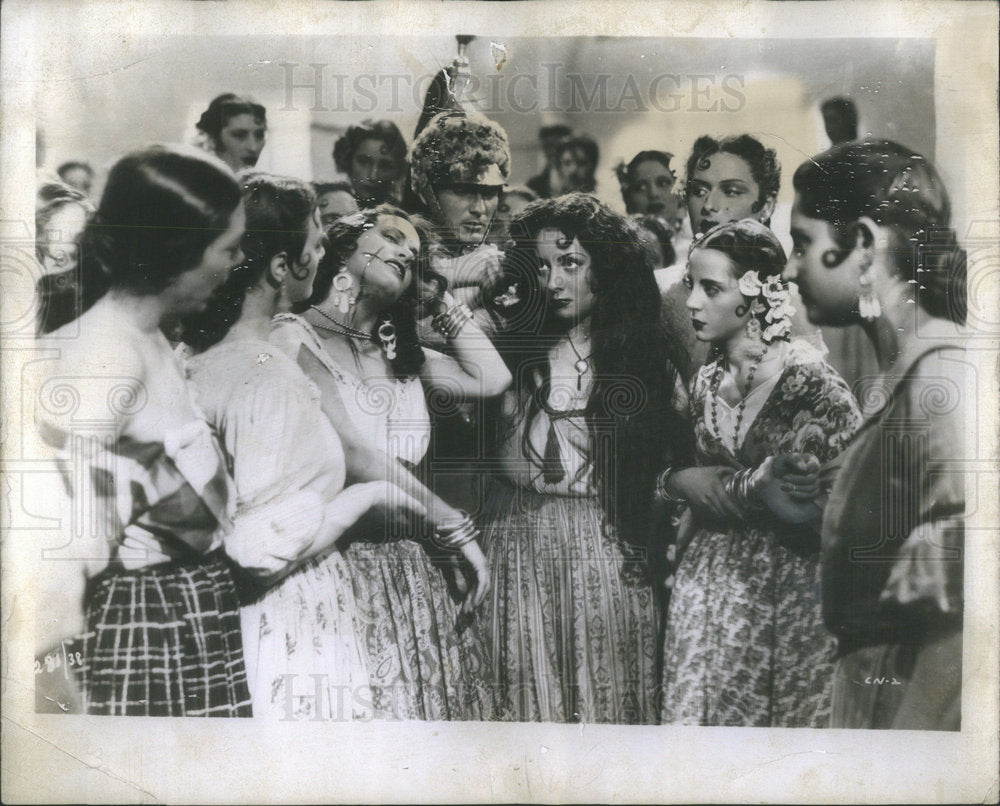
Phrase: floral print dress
(745, 642)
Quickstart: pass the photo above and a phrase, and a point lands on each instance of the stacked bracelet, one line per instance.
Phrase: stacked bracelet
(459, 534)
(451, 322)
(739, 487)
(661, 489)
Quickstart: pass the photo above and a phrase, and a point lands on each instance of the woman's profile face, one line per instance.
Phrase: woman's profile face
(58, 245)
(651, 190)
(721, 190)
(241, 141)
(302, 272)
(565, 274)
(718, 309)
(191, 290)
(829, 287)
(384, 259)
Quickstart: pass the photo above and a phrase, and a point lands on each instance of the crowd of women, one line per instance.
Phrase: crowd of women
(423, 445)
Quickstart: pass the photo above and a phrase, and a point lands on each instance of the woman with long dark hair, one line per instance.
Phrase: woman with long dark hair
(874, 246)
(593, 414)
(745, 642)
(154, 598)
(302, 655)
(356, 338)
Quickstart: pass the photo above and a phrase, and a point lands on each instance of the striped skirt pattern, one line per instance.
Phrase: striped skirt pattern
(165, 641)
(574, 639)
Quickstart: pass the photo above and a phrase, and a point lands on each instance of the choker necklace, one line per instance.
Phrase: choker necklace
(341, 329)
(714, 391)
(581, 365)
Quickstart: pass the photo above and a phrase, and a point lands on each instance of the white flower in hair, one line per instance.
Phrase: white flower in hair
(750, 284)
(775, 290)
(776, 330)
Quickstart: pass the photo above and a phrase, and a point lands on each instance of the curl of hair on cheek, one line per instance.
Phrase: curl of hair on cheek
(832, 258)
(300, 270)
(704, 164)
(742, 309)
(756, 206)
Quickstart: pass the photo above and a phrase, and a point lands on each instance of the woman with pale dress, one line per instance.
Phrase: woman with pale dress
(356, 339)
(302, 653)
(745, 641)
(596, 410)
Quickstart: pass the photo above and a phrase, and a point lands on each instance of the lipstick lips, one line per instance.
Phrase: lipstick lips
(560, 303)
(697, 324)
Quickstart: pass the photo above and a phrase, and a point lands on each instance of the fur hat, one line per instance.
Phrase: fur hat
(459, 148)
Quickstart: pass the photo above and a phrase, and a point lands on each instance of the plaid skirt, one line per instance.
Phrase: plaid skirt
(165, 641)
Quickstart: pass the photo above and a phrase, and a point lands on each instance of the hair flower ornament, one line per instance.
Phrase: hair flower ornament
(750, 284)
(770, 300)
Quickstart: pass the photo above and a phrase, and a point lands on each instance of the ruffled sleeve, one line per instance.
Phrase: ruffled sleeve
(287, 464)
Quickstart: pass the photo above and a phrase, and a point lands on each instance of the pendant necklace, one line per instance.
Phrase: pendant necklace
(581, 365)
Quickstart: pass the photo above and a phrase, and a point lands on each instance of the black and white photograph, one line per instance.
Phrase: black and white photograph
(500, 402)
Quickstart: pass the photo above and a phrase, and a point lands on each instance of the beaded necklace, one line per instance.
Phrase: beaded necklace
(714, 392)
(340, 328)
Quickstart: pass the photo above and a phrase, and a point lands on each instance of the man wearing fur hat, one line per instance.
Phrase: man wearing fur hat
(459, 165)
(458, 168)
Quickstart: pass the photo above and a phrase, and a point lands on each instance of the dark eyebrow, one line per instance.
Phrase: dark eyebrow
(705, 281)
(799, 235)
(734, 182)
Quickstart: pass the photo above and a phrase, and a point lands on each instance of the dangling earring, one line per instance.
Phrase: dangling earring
(753, 328)
(868, 304)
(343, 284)
(387, 335)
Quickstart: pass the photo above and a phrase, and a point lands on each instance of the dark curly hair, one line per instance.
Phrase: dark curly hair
(342, 241)
(383, 130)
(214, 119)
(637, 362)
(899, 189)
(763, 162)
(278, 210)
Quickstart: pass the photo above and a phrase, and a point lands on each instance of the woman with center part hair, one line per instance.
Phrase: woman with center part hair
(158, 613)
(356, 338)
(745, 641)
(596, 410)
(302, 653)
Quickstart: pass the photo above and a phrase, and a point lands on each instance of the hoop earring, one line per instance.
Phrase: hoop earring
(343, 284)
(387, 335)
(868, 305)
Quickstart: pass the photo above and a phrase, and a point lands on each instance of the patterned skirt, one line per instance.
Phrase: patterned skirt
(745, 641)
(422, 663)
(301, 647)
(574, 639)
(165, 641)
